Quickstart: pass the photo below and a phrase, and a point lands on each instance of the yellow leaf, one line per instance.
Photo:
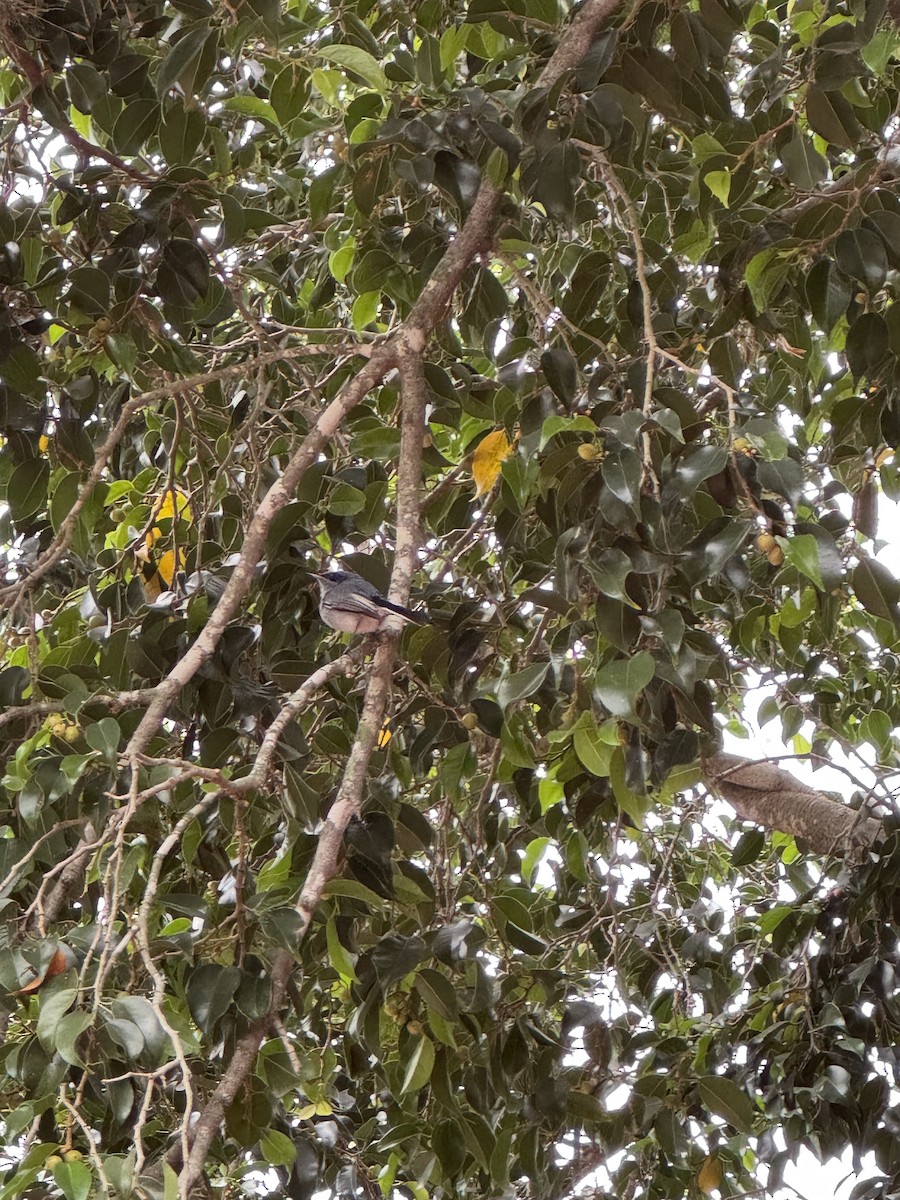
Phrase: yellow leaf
(492, 453)
(386, 734)
(44, 443)
(167, 508)
(160, 578)
(153, 587)
(169, 563)
(710, 1176)
(307, 1111)
(323, 1108)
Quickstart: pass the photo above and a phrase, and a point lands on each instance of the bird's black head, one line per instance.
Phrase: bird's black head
(332, 576)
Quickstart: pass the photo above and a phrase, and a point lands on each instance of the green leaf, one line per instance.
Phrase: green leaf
(620, 683)
(876, 589)
(880, 50)
(274, 873)
(717, 544)
(54, 1005)
(346, 501)
(73, 1179)
(748, 849)
(453, 42)
(448, 1145)
(554, 180)
(289, 92)
(802, 552)
(725, 1099)
(876, 728)
(419, 1065)
(806, 167)
(365, 310)
(610, 572)
(860, 253)
(554, 425)
(105, 737)
(694, 243)
(719, 183)
(381, 444)
(137, 122)
(694, 466)
(532, 856)
(210, 991)
(170, 1183)
(561, 372)
(22, 370)
(68, 1031)
(515, 744)
(765, 273)
(188, 62)
(438, 993)
(633, 804)
(354, 890)
(867, 345)
(340, 261)
(277, 1149)
(830, 115)
(338, 954)
(26, 492)
(360, 62)
(252, 106)
(705, 146)
(520, 685)
(594, 746)
(828, 291)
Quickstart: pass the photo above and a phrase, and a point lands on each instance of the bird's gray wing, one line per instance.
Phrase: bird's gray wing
(355, 602)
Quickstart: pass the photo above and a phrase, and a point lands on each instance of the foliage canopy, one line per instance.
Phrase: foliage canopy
(589, 321)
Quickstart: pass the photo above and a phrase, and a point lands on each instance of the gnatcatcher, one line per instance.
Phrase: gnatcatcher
(351, 604)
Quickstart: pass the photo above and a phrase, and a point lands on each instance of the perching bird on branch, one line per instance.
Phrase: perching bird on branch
(351, 604)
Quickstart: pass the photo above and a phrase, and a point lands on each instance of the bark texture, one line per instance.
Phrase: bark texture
(762, 792)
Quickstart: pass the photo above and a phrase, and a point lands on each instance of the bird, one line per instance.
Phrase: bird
(351, 604)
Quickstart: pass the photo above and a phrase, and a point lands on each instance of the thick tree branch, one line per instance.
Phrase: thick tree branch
(42, 708)
(69, 882)
(411, 337)
(762, 792)
(572, 48)
(244, 572)
(351, 794)
(290, 709)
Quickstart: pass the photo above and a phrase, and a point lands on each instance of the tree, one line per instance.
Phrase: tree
(580, 328)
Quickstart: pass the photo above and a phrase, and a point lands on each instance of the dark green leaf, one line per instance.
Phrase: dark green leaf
(210, 992)
(876, 589)
(725, 1099)
(521, 684)
(828, 291)
(620, 683)
(561, 372)
(26, 492)
(861, 255)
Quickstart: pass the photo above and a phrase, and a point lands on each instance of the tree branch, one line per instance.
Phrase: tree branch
(66, 531)
(349, 800)
(42, 708)
(411, 337)
(762, 792)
